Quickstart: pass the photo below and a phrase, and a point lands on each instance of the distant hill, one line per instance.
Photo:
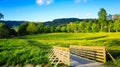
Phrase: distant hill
(62, 21)
(55, 22)
(12, 23)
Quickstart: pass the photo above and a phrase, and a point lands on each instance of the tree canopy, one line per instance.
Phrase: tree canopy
(1, 16)
(31, 28)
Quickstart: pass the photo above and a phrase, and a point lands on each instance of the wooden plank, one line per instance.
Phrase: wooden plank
(93, 52)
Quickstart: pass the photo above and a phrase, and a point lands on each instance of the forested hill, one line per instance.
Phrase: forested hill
(12, 23)
(62, 21)
(51, 23)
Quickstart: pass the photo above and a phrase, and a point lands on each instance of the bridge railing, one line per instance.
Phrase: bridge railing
(90, 52)
(60, 55)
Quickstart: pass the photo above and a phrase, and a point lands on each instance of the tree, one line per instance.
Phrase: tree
(95, 27)
(4, 30)
(40, 27)
(1, 16)
(13, 32)
(63, 29)
(46, 29)
(57, 29)
(31, 28)
(81, 27)
(117, 25)
(110, 26)
(102, 18)
(116, 17)
(88, 27)
(52, 29)
(22, 29)
(15, 28)
(68, 28)
(71, 27)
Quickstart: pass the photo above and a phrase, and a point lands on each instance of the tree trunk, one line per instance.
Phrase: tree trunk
(109, 29)
(116, 30)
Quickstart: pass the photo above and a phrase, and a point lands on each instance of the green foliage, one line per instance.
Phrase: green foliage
(110, 26)
(1, 16)
(52, 29)
(88, 27)
(46, 29)
(20, 51)
(81, 27)
(57, 29)
(15, 28)
(95, 27)
(4, 30)
(117, 25)
(22, 29)
(71, 27)
(114, 64)
(102, 18)
(63, 29)
(40, 27)
(13, 32)
(31, 28)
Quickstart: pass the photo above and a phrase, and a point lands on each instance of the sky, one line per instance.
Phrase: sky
(48, 10)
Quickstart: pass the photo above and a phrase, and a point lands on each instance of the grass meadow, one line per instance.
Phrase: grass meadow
(33, 49)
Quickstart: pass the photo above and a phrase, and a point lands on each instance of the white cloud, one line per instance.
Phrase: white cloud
(49, 2)
(78, 1)
(44, 2)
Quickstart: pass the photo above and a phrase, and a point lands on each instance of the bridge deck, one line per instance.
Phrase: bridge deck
(77, 61)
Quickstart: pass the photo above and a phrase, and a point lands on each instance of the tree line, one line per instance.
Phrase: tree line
(102, 24)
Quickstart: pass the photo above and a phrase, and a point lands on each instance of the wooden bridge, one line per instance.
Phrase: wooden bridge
(78, 56)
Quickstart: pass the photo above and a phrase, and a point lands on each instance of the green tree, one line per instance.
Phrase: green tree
(31, 28)
(68, 28)
(63, 29)
(46, 29)
(13, 32)
(52, 29)
(95, 27)
(15, 28)
(110, 26)
(102, 18)
(22, 29)
(72, 27)
(40, 27)
(57, 29)
(81, 27)
(88, 27)
(1, 16)
(117, 25)
(4, 30)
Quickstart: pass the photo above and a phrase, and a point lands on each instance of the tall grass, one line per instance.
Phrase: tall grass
(20, 51)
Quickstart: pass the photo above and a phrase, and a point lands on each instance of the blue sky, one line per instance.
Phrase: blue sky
(47, 10)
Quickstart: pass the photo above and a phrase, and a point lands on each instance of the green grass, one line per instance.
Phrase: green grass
(21, 51)
(34, 48)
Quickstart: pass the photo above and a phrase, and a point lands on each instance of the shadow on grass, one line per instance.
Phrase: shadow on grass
(114, 53)
(40, 45)
(92, 38)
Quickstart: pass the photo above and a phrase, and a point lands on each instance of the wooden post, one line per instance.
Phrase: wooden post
(104, 50)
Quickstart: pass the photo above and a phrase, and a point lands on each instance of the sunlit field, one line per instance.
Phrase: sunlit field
(33, 49)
